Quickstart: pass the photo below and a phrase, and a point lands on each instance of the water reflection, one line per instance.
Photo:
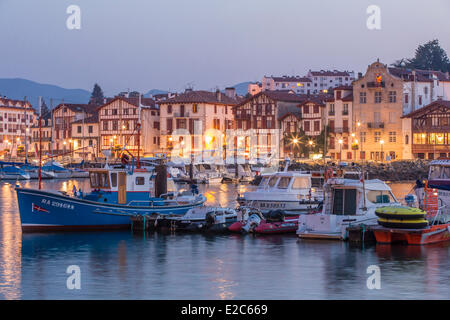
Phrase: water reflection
(138, 265)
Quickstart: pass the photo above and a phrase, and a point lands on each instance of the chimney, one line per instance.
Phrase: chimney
(218, 95)
(230, 92)
(360, 75)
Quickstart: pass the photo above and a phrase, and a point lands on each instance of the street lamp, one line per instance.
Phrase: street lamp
(381, 144)
(295, 142)
(340, 141)
(310, 145)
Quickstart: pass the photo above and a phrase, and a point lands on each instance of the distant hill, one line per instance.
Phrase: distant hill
(242, 88)
(155, 91)
(19, 88)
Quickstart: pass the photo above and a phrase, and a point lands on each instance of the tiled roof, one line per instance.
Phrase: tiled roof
(425, 109)
(348, 97)
(91, 119)
(328, 73)
(291, 79)
(77, 107)
(145, 102)
(201, 96)
(421, 75)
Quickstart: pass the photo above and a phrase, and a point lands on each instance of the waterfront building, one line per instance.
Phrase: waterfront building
(381, 97)
(254, 88)
(430, 131)
(46, 135)
(196, 122)
(85, 138)
(62, 117)
(118, 125)
(323, 80)
(271, 120)
(342, 143)
(16, 120)
(299, 85)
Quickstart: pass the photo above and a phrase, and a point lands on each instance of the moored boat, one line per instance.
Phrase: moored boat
(347, 202)
(56, 170)
(116, 195)
(13, 173)
(198, 219)
(290, 191)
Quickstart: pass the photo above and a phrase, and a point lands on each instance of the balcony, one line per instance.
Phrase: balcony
(181, 115)
(345, 112)
(331, 113)
(339, 130)
(374, 84)
(375, 125)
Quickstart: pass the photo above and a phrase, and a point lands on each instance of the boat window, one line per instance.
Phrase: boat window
(384, 196)
(300, 183)
(140, 181)
(273, 180)
(207, 166)
(439, 172)
(284, 182)
(99, 180)
(344, 202)
(263, 182)
(114, 179)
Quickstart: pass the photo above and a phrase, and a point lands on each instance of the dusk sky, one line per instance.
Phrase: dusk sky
(167, 44)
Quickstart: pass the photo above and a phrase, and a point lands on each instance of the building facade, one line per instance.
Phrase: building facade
(196, 122)
(297, 84)
(118, 125)
(16, 119)
(430, 131)
(85, 138)
(63, 115)
(323, 80)
(342, 141)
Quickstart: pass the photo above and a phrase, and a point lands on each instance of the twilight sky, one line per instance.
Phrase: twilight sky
(167, 44)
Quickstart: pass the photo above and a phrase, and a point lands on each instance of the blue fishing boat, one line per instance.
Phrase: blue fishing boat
(116, 195)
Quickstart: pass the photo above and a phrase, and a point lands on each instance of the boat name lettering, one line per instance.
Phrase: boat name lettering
(58, 204)
(272, 205)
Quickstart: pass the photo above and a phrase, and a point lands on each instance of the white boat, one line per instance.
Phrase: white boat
(290, 191)
(347, 202)
(439, 181)
(13, 173)
(79, 173)
(245, 173)
(56, 170)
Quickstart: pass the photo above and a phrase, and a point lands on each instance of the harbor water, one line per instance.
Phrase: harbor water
(137, 265)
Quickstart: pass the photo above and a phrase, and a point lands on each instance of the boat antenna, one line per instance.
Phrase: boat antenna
(287, 162)
(40, 141)
(138, 165)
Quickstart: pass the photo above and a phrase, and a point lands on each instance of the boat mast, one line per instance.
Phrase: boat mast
(40, 141)
(139, 133)
(25, 131)
(51, 129)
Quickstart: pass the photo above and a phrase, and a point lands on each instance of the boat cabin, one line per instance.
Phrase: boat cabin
(346, 196)
(121, 186)
(286, 181)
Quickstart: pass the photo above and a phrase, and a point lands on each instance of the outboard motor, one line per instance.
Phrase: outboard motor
(253, 221)
(210, 218)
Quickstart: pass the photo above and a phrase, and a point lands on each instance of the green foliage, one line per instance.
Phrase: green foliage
(429, 56)
(97, 95)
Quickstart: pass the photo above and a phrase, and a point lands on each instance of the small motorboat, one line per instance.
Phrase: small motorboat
(13, 173)
(272, 222)
(199, 219)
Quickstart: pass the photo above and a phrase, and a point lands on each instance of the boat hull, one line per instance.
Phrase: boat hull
(295, 206)
(43, 211)
(432, 234)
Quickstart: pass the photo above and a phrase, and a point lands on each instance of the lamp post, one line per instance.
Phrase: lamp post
(310, 143)
(295, 142)
(381, 145)
(340, 141)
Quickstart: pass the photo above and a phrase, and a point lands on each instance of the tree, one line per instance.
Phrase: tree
(44, 108)
(429, 56)
(97, 95)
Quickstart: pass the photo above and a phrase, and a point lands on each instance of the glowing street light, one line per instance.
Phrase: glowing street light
(381, 154)
(340, 141)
